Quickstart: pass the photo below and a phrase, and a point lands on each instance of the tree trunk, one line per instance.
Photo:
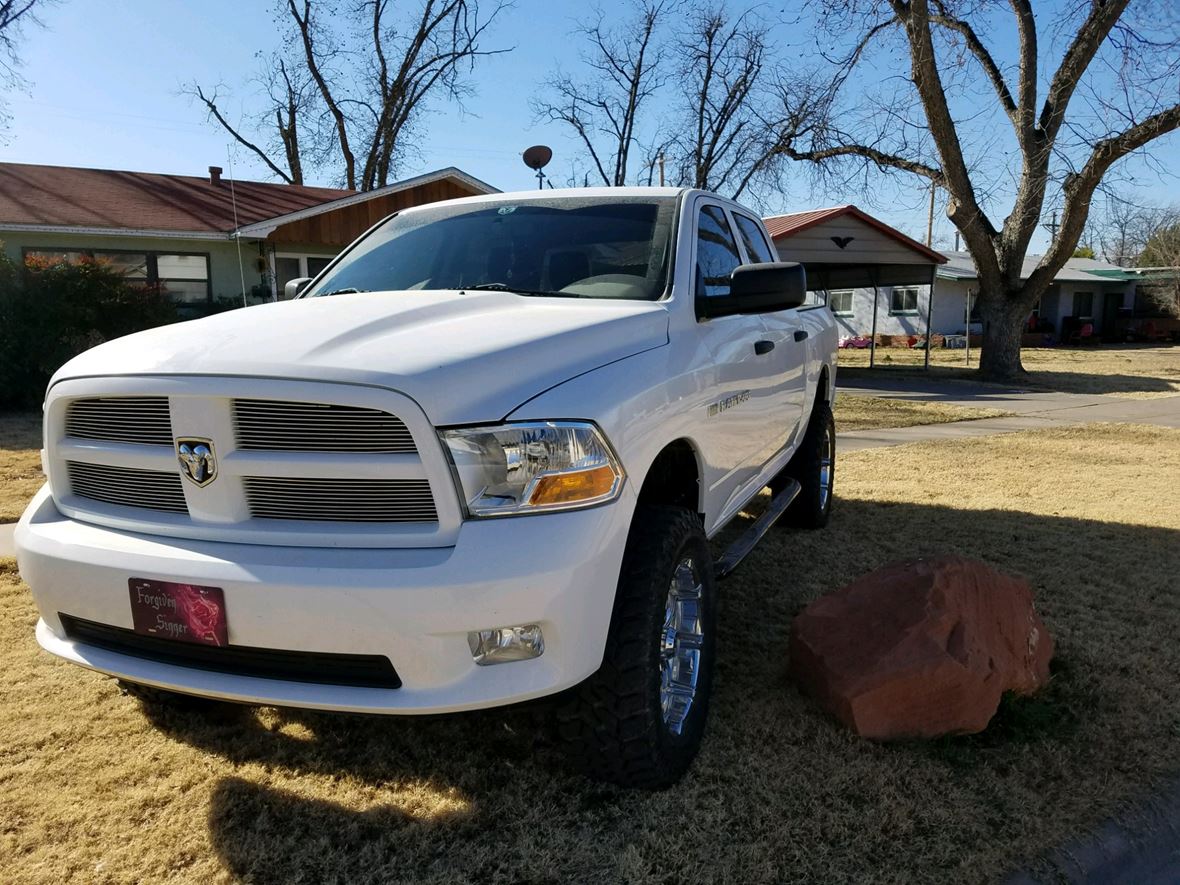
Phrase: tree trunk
(1003, 324)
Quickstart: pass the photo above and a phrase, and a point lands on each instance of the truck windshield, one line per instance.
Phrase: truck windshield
(605, 247)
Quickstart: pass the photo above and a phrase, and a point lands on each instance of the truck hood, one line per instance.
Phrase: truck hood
(464, 357)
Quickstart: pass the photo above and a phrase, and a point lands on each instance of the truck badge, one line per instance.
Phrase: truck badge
(197, 461)
(728, 403)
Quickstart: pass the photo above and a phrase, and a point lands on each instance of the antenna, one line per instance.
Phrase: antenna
(537, 158)
(237, 233)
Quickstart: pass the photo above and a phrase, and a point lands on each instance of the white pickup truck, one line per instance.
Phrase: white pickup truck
(477, 461)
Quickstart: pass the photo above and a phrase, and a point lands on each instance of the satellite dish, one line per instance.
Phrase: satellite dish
(537, 157)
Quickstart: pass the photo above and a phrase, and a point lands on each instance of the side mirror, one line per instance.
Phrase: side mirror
(294, 287)
(759, 288)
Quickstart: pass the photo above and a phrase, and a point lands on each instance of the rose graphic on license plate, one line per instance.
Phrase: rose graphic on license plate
(184, 612)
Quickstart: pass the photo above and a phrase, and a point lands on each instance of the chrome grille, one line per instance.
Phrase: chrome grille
(128, 487)
(276, 426)
(131, 419)
(340, 500)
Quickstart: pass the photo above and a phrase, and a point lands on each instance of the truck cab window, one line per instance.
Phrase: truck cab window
(754, 240)
(717, 253)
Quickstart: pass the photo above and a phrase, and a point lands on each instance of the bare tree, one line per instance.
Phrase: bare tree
(358, 86)
(1111, 92)
(624, 67)
(1161, 250)
(726, 140)
(15, 16)
(1121, 230)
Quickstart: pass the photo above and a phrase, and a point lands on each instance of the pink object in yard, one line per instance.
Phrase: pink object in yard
(856, 342)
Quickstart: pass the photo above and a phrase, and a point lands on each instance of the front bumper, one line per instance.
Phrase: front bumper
(414, 606)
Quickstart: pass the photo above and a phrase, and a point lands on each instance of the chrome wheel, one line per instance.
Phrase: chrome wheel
(680, 644)
(827, 462)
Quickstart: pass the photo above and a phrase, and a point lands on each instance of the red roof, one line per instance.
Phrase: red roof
(103, 198)
(782, 227)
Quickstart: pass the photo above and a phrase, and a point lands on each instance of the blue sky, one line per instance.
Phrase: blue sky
(105, 78)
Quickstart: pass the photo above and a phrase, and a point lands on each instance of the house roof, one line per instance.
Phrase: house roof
(349, 198)
(784, 226)
(960, 266)
(65, 196)
(70, 199)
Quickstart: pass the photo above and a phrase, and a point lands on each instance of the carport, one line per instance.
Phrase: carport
(846, 248)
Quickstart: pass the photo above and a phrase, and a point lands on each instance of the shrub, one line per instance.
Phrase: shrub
(52, 312)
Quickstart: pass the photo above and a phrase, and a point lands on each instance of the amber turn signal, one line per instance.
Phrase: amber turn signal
(569, 488)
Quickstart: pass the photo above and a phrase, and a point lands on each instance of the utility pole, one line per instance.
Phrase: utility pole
(930, 218)
(1052, 227)
(660, 160)
(967, 326)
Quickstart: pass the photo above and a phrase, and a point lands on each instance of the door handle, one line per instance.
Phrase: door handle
(800, 334)
(761, 347)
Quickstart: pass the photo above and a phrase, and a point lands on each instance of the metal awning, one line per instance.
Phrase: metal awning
(827, 276)
(846, 248)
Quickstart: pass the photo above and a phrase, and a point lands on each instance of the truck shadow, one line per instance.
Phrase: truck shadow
(779, 791)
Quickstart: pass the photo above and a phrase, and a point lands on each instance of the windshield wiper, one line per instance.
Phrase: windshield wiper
(504, 287)
(350, 290)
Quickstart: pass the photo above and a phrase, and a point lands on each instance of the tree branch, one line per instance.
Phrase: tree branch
(305, 26)
(882, 159)
(985, 59)
(1080, 187)
(1104, 14)
(211, 104)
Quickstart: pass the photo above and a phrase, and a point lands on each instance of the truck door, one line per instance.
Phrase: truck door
(736, 427)
(787, 359)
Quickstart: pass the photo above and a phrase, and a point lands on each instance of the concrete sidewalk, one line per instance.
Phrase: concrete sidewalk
(855, 440)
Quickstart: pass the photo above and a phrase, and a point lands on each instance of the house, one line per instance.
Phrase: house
(878, 281)
(1085, 291)
(203, 239)
(875, 279)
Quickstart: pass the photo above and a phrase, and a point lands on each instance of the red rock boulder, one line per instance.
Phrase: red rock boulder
(921, 648)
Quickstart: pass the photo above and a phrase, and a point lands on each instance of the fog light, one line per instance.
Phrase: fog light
(504, 644)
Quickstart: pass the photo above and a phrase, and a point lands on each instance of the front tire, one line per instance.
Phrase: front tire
(813, 466)
(638, 721)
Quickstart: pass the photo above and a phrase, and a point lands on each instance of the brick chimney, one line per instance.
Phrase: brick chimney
(215, 175)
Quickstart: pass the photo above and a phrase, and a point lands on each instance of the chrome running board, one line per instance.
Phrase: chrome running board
(741, 548)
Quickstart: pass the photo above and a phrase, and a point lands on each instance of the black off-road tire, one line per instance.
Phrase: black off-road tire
(612, 725)
(175, 700)
(811, 507)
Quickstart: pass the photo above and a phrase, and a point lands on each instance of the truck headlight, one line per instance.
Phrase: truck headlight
(533, 468)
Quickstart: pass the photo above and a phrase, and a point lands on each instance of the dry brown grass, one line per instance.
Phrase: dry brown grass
(1136, 371)
(856, 412)
(20, 462)
(93, 789)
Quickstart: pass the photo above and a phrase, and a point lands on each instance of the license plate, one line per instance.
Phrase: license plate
(183, 612)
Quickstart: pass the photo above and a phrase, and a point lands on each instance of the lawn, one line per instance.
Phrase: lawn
(1119, 370)
(97, 789)
(856, 412)
(20, 462)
